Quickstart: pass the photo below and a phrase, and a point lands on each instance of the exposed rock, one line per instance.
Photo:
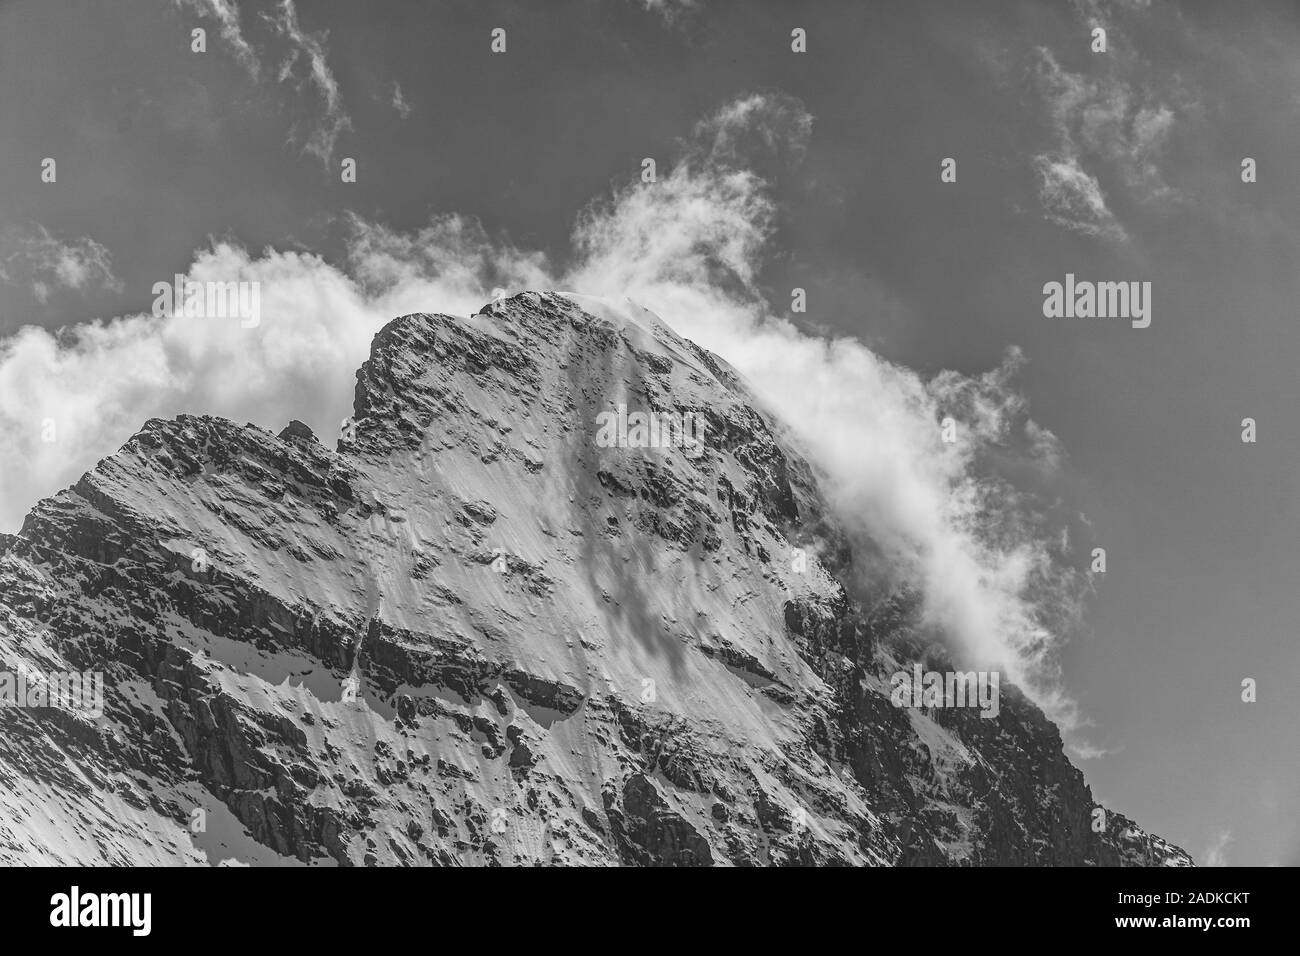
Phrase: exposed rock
(472, 635)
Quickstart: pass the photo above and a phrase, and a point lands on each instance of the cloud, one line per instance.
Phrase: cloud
(755, 125)
(1216, 854)
(309, 49)
(399, 102)
(1104, 122)
(690, 248)
(452, 257)
(47, 264)
(226, 13)
(1072, 198)
(670, 10)
(1098, 12)
(933, 515)
(304, 66)
(1082, 750)
(96, 383)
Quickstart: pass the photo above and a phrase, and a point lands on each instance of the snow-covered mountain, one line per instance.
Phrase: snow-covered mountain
(474, 634)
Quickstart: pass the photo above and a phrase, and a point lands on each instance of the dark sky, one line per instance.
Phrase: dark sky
(1123, 165)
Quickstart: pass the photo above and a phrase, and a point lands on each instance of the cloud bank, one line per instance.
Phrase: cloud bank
(689, 247)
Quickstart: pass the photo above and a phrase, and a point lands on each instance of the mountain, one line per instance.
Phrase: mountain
(473, 633)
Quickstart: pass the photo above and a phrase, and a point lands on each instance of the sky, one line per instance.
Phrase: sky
(820, 170)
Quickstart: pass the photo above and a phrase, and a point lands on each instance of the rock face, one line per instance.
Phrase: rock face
(473, 635)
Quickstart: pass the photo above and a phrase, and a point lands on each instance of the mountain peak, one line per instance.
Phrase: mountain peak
(521, 614)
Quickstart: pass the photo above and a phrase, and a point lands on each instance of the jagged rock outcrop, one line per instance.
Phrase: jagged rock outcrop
(471, 635)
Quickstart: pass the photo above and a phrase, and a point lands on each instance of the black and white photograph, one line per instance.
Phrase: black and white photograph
(650, 434)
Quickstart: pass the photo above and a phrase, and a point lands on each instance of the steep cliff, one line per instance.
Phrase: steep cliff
(474, 634)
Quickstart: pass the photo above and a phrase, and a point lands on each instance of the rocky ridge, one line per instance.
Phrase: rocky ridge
(470, 635)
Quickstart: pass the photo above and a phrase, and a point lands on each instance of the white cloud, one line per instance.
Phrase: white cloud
(309, 48)
(1082, 750)
(45, 263)
(689, 248)
(98, 382)
(1104, 122)
(399, 102)
(670, 10)
(773, 123)
(1073, 198)
(1216, 854)
(226, 13)
(1099, 12)
(304, 67)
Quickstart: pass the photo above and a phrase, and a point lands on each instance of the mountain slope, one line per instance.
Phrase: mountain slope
(473, 635)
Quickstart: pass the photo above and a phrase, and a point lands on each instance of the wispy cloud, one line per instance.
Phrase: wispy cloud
(47, 264)
(671, 10)
(307, 67)
(1101, 12)
(1100, 124)
(1216, 854)
(758, 123)
(1083, 750)
(303, 66)
(226, 13)
(1073, 198)
(399, 102)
